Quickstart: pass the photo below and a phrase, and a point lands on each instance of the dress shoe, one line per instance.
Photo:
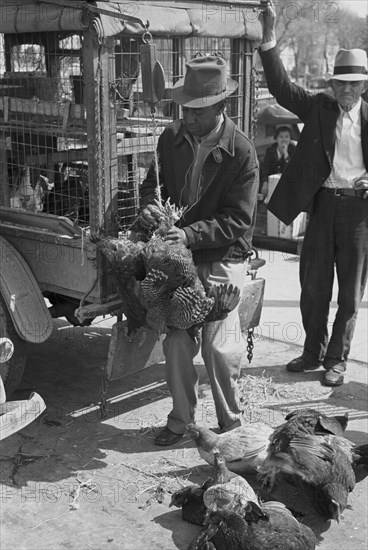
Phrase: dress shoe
(166, 437)
(334, 376)
(300, 364)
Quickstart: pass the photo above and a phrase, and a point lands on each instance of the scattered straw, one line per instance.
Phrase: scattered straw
(166, 480)
(254, 392)
(74, 505)
(257, 393)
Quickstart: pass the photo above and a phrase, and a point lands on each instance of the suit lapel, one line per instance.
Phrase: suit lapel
(328, 119)
(364, 119)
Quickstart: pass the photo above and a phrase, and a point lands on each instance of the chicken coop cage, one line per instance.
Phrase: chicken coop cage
(76, 137)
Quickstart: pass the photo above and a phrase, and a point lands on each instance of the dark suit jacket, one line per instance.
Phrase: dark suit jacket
(272, 164)
(312, 160)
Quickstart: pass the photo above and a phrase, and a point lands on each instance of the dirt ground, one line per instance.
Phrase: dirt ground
(72, 480)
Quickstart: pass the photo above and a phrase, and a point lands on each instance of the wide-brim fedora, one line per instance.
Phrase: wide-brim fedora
(350, 65)
(204, 84)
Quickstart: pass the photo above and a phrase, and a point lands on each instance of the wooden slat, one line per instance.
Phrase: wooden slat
(58, 225)
(4, 180)
(71, 155)
(128, 146)
(41, 108)
(35, 127)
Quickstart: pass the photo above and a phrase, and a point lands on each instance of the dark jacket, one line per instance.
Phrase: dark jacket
(313, 157)
(220, 224)
(272, 164)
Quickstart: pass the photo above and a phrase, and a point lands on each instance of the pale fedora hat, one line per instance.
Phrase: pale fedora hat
(204, 84)
(350, 65)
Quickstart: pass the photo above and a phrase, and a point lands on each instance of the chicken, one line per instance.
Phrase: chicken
(318, 422)
(190, 500)
(329, 464)
(243, 448)
(299, 423)
(225, 490)
(27, 195)
(126, 262)
(229, 491)
(159, 285)
(307, 421)
(274, 529)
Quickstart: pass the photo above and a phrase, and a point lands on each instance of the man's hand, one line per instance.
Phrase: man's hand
(362, 183)
(267, 18)
(150, 216)
(175, 235)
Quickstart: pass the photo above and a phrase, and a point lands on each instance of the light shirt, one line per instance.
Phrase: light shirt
(267, 45)
(348, 162)
(202, 147)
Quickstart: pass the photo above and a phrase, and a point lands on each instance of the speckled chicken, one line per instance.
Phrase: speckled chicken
(275, 528)
(125, 259)
(159, 286)
(243, 448)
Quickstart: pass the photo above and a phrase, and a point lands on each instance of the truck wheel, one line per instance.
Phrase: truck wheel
(11, 370)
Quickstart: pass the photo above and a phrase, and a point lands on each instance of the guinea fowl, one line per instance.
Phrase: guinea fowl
(243, 448)
(274, 529)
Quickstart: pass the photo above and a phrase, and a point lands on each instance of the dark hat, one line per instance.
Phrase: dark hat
(205, 83)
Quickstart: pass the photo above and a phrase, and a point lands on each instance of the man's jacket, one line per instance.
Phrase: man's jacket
(312, 160)
(219, 226)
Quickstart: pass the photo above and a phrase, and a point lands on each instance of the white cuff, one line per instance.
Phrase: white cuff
(267, 46)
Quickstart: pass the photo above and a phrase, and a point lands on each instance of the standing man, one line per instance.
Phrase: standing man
(327, 176)
(208, 165)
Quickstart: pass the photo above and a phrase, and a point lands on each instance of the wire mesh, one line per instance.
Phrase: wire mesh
(42, 120)
(135, 132)
(43, 136)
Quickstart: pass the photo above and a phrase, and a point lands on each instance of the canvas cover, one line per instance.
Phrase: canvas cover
(109, 18)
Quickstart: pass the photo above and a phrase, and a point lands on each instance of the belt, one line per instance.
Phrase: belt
(343, 191)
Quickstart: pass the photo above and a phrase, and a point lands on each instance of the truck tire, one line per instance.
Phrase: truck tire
(12, 370)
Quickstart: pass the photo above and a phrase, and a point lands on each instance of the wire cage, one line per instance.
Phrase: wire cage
(76, 137)
(136, 123)
(44, 120)
(43, 124)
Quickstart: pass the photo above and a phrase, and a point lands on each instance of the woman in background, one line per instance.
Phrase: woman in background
(277, 156)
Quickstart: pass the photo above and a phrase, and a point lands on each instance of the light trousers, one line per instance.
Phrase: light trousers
(222, 345)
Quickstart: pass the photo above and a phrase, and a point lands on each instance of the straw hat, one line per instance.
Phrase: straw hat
(350, 65)
(205, 83)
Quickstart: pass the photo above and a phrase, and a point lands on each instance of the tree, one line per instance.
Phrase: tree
(307, 29)
(351, 30)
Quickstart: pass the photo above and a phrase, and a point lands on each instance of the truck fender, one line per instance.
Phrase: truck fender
(23, 296)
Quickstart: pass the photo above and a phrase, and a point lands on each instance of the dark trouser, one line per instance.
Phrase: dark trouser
(337, 235)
